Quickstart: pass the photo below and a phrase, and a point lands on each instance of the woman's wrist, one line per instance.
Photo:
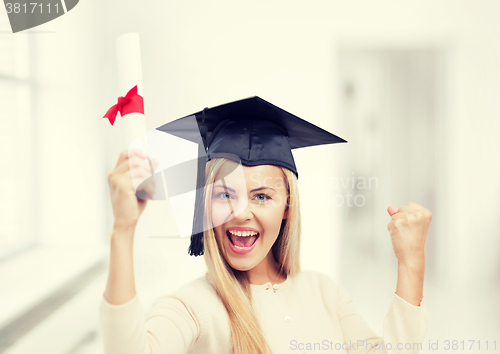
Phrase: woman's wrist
(122, 230)
(415, 263)
(120, 287)
(410, 283)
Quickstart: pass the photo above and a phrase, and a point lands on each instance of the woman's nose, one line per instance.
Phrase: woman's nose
(243, 212)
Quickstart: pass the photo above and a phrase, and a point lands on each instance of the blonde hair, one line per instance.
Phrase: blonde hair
(233, 286)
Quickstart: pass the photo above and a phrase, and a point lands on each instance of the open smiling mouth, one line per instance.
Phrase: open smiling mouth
(242, 239)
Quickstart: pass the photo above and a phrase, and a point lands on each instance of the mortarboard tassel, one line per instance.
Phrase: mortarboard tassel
(196, 246)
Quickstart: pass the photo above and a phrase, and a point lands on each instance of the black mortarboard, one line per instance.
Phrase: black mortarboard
(250, 131)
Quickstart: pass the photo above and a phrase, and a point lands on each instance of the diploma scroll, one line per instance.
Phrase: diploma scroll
(128, 52)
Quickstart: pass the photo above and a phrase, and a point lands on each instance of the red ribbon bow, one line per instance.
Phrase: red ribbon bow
(131, 103)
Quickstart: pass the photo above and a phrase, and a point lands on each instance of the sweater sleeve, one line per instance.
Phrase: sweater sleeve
(404, 327)
(169, 327)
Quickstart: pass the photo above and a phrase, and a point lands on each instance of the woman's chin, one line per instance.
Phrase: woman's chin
(242, 265)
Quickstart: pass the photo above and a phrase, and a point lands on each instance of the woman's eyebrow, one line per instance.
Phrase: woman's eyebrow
(261, 188)
(230, 189)
(253, 190)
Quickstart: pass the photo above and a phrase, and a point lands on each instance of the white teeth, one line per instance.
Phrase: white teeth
(243, 233)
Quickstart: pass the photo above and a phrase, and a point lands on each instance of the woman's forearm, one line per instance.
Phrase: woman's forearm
(410, 285)
(120, 287)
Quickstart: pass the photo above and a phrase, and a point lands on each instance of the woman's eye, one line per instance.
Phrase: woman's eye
(262, 197)
(223, 195)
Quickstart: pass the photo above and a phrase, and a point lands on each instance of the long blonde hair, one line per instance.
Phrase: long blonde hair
(233, 286)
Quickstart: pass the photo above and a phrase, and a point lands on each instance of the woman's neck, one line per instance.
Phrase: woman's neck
(266, 271)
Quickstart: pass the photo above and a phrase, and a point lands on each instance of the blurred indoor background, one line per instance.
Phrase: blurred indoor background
(413, 86)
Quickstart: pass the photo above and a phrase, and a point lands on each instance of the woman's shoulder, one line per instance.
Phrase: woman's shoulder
(197, 296)
(196, 290)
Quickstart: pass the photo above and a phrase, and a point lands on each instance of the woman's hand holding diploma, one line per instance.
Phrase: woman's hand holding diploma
(131, 169)
(408, 227)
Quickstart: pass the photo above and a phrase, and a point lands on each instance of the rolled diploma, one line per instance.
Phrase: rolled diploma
(128, 52)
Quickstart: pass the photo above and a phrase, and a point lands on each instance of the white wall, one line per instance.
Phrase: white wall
(69, 74)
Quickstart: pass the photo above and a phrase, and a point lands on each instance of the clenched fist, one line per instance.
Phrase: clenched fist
(408, 227)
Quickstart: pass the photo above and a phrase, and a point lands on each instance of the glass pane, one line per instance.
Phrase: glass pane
(16, 178)
(14, 56)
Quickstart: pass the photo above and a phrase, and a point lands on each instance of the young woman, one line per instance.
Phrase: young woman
(254, 297)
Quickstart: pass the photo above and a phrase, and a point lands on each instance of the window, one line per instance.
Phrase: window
(18, 176)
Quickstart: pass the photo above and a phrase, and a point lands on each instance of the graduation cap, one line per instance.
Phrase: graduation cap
(250, 132)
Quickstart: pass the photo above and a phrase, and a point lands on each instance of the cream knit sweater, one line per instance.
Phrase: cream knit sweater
(304, 314)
